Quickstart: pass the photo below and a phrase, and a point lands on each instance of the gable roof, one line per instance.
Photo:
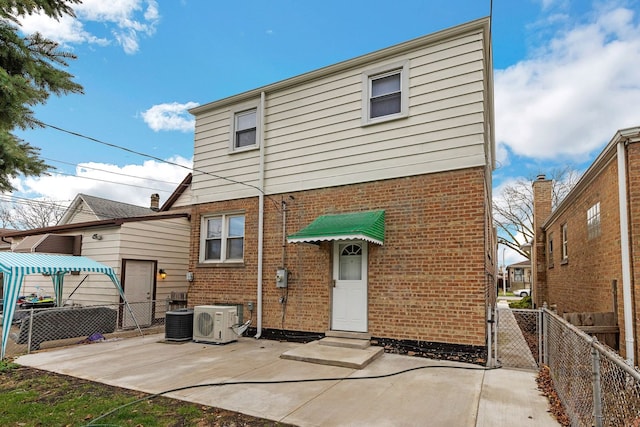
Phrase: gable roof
(179, 191)
(103, 208)
(525, 263)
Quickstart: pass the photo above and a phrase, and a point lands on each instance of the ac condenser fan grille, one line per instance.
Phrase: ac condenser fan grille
(205, 324)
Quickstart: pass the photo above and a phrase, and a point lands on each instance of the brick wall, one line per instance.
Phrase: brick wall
(429, 282)
(583, 282)
(542, 202)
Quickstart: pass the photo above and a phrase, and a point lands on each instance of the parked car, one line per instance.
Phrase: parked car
(523, 292)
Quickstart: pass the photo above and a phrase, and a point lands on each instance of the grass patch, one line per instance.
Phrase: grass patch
(30, 397)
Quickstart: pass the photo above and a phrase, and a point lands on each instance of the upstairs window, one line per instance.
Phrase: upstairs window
(245, 125)
(565, 248)
(550, 250)
(222, 238)
(385, 93)
(245, 129)
(593, 221)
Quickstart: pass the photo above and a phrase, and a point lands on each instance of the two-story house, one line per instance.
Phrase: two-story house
(356, 198)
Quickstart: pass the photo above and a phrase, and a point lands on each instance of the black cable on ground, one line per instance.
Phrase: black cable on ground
(307, 380)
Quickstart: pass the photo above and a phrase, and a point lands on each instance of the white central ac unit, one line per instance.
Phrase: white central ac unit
(213, 323)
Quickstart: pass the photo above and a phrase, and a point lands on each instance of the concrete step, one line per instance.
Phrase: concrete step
(353, 358)
(345, 342)
(346, 334)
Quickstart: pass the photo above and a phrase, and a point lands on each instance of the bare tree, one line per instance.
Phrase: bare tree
(28, 214)
(513, 207)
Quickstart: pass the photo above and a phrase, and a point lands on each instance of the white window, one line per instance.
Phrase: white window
(222, 238)
(565, 250)
(245, 127)
(593, 221)
(385, 93)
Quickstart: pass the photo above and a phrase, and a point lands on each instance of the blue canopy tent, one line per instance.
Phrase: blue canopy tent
(15, 266)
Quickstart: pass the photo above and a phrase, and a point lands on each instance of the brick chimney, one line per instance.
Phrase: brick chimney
(155, 202)
(542, 204)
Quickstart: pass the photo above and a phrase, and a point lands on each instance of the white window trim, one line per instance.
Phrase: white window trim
(223, 244)
(403, 67)
(593, 221)
(232, 125)
(565, 242)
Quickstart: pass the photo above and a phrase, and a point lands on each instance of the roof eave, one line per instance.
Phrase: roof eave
(481, 24)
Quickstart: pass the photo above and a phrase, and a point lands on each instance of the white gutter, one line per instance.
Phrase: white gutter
(260, 219)
(624, 249)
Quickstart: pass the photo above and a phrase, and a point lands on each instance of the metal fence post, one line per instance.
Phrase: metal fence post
(546, 338)
(597, 397)
(539, 331)
(30, 330)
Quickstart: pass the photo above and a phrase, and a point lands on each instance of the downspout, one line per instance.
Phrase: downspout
(260, 219)
(625, 256)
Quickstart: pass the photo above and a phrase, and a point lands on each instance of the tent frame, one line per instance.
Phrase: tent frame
(15, 266)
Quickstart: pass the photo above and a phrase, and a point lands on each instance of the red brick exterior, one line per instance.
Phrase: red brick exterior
(583, 282)
(542, 200)
(430, 281)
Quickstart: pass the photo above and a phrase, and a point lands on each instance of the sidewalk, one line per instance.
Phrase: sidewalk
(436, 393)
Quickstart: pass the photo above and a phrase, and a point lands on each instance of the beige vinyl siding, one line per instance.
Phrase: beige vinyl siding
(314, 136)
(96, 288)
(81, 214)
(164, 241)
(223, 168)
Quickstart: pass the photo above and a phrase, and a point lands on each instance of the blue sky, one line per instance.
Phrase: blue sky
(566, 78)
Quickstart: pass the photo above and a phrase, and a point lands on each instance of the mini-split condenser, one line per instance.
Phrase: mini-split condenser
(213, 323)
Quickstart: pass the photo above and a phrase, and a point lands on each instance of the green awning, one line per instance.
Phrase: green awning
(367, 226)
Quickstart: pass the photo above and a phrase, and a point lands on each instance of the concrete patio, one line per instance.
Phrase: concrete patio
(434, 393)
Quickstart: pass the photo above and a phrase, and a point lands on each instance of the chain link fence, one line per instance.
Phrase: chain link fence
(595, 385)
(34, 328)
(519, 342)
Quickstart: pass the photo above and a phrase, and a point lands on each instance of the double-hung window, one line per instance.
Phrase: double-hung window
(385, 93)
(222, 238)
(245, 127)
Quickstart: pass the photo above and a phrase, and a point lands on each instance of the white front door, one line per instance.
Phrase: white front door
(138, 290)
(349, 308)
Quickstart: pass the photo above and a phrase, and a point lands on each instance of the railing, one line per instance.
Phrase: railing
(34, 328)
(595, 385)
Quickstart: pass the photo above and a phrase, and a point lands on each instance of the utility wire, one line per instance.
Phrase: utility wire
(129, 150)
(110, 172)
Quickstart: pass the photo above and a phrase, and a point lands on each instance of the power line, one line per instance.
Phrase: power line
(192, 170)
(111, 172)
(113, 182)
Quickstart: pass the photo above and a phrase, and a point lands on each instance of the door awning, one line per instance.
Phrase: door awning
(367, 226)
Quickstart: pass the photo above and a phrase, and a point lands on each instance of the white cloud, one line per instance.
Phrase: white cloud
(171, 116)
(567, 100)
(126, 20)
(130, 183)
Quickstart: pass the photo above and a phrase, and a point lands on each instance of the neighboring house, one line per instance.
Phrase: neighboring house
(136, 242)
(587, 250)
(519, 276)
(355, 198)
